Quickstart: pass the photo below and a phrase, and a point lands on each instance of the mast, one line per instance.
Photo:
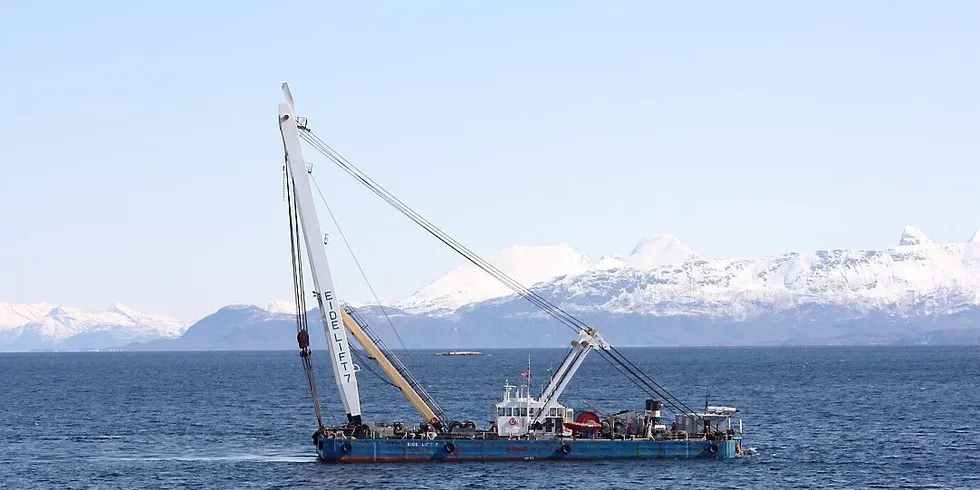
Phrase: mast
(326, 296)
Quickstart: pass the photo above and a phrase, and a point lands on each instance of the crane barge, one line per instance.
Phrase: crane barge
(525, 427)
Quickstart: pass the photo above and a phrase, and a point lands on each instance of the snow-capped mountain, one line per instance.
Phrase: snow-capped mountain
(926, 279)
(532, 265)
(46, 326)
(652, 252)
(913, 236)
(14, 315)
(280, 306)
(467, 284)
(663, 276)
(242, 327)
(659, 251)
(661, 293)
(665, 294)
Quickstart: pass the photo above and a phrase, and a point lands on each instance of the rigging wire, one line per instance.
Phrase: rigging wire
(398, 364)
(358, 263)
(302, 325)
(367, 365)
(619, 361)
(468, 254)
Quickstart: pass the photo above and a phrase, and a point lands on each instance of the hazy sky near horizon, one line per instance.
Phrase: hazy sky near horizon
(140, 160)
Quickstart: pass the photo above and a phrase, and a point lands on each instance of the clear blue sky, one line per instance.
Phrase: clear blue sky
(140, 158)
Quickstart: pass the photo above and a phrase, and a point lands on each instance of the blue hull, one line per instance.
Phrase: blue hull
(416, 450)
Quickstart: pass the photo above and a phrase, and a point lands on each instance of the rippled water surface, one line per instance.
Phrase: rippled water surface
(821, 417)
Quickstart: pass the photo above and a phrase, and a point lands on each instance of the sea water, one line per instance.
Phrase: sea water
(814, 417)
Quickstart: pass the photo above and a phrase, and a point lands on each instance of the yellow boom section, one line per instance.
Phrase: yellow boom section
(396, 377)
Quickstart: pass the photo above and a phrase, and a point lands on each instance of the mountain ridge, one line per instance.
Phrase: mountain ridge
(42, 325)
(668, 275)
(662, 291)
(915, 292)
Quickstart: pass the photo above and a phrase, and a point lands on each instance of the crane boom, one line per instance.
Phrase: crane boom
(587, 342)
(326, 296)
(394, 375)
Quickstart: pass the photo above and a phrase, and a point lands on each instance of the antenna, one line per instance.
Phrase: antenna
(529, 374)
(707, 423)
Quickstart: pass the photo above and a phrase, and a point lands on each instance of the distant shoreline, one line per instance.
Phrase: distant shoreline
(484, 351)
